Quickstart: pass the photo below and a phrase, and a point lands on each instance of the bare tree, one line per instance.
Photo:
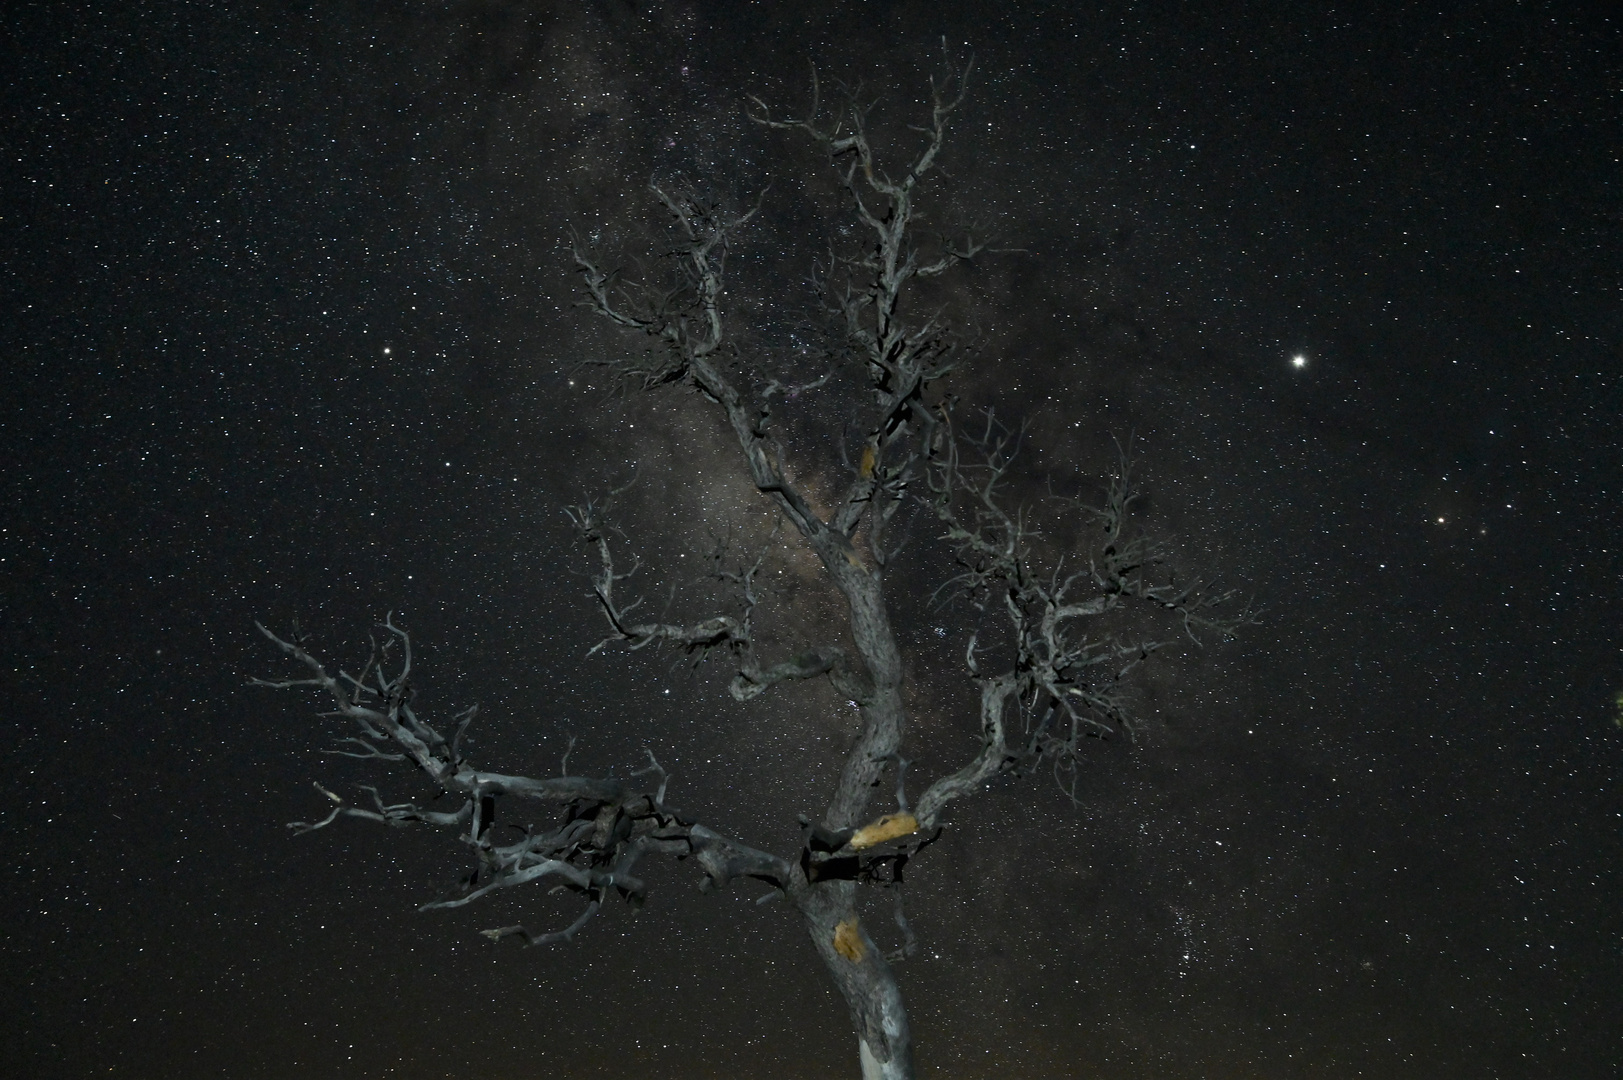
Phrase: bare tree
(1048, 680)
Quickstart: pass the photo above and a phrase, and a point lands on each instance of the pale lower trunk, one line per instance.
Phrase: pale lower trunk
(896, 1068)
(865, 980)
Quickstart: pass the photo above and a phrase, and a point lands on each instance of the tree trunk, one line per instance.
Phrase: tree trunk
(865, 980)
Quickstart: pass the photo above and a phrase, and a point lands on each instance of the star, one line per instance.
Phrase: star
(1299, 360)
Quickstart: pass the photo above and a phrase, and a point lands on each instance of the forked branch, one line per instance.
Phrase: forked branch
(605, 826)
(1063, 681)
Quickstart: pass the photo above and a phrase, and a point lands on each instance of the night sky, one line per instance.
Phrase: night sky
(289, 334)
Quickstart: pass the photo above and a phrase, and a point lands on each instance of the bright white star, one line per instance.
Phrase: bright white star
(1298, 360)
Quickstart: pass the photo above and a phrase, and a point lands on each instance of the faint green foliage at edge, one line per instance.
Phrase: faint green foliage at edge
(1617, 702)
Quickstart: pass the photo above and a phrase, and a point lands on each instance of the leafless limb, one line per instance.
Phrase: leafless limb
(1063, 681)
(607, 825)
(910, 940)
(730, 634)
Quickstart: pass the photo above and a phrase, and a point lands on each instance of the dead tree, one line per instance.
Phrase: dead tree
(1048, 680)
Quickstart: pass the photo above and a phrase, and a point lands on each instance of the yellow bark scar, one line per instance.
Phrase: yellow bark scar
(868, 461)
(848, 941)
(888, 827)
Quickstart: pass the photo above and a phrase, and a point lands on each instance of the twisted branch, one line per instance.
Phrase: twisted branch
(607, 825)
(1064, 682)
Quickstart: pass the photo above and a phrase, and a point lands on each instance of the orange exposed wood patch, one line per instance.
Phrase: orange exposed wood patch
(888, 827)
(848, 941)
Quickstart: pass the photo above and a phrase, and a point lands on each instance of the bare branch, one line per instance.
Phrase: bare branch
(566, 934)
(910, 940)
(731, 634)
(608, 824)
(1065, 681)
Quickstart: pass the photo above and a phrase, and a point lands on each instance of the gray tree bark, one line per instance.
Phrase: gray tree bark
(1052, 687)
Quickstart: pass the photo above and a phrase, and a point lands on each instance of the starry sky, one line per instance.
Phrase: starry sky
(290, 334)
